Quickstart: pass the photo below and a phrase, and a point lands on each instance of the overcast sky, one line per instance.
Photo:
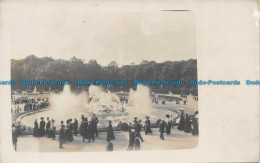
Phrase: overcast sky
(106, 36)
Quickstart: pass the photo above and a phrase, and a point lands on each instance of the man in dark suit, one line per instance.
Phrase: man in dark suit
(161, 129)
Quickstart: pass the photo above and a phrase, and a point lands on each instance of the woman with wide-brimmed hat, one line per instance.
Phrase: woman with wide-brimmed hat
(42, 127)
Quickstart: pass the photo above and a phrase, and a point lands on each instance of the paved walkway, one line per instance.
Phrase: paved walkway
(177, 140)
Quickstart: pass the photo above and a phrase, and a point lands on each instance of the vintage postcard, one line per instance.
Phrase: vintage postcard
(104, 77)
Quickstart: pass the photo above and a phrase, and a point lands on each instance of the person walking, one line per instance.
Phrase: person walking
(161, 129)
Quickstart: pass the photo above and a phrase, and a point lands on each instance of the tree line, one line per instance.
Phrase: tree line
(47, 68)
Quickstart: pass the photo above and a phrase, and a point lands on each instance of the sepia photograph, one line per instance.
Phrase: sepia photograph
(129, 81)
(104, 81)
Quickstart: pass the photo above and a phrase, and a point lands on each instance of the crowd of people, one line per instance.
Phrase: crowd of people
(26, 104)
(45, 129)
(88, 129)
(189, 124)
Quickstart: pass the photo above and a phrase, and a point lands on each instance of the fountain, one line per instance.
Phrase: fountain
(104, 104)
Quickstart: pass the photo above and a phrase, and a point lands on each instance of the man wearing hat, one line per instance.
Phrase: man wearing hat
(42, 127)
(147, 126)
(161, 129)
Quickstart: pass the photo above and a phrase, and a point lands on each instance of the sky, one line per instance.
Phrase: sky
(104, 35)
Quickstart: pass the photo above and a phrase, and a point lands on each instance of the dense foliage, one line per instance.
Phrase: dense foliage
(34, 68)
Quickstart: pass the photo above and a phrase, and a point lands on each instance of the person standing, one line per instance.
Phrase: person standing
(147, 126)
(36, 129)
(75, 127)
(168, 124)
(94, 120)
(110, 131)
(181, 122)
(91, 131)
(61, 135)
(161, 129)
(83, 129)
(71, 130)
(42, 127)
(52, 130)
(15, 134)
(68, 131)
(195, 130)
(48, 126)
(138, 128)
(187, 127)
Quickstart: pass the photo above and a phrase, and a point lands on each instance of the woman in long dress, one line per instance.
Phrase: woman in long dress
(42, 127)
(83, 128)
(187, 127)
(36, 129)
(147, 126)
(110, 131)
(181, 122)
(195, 130)
(52, 130)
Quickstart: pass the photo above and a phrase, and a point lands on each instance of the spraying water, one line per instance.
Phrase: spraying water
(104, 104)
(140, 98)
(67, 104)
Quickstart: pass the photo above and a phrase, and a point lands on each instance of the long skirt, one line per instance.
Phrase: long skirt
(51, 134)
(181, 124)
(68, 135)
(187, 127)
(195, 130)
(147, 130)
(36, 132)
(110, 136)
(41, 132)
